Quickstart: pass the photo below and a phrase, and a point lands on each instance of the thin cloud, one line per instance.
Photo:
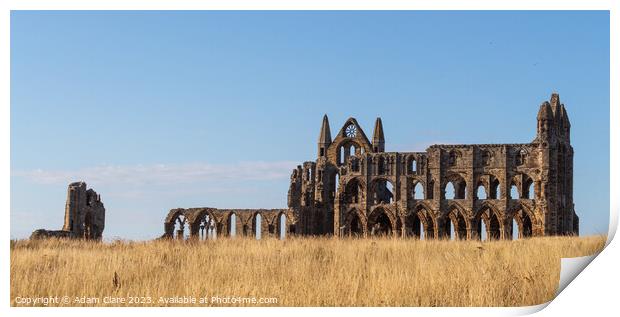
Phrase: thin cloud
(163, 173)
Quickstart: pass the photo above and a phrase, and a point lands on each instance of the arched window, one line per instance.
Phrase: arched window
(181, 228)
(382, 192)
(449, 191)
(353, 192)
(379, 223)
(481, 192)
(412, 166)
(529, 189)
(455, 188)
(418, 191)
(495, 189)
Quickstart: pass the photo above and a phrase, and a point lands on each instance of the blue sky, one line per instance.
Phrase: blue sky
(157, 110)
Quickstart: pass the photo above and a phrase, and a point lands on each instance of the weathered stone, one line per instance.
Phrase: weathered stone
(84, 215)
(355, 188)
(44, 234)
(200, 223)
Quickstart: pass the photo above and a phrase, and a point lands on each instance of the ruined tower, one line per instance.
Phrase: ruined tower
(84, 215)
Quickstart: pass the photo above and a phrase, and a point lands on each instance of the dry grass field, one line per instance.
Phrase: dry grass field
(296, 271)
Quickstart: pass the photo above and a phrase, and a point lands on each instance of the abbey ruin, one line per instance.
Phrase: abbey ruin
(84, 215)
(355, 188)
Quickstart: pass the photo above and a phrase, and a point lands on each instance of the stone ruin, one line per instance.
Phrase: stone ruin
(84, 215)
(355, 188)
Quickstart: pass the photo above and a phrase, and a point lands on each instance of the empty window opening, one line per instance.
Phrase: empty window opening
(232, 225)
(181, 228)
(514, 192)
(481, 193)
(449, 191)
(529, 190)
(418, 191)
(282, 221)
(258, 219)
(495, 189)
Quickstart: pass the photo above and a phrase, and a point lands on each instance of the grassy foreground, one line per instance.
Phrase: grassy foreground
(296, 271)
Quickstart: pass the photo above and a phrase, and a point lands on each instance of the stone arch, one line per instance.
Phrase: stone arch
(419, 222)
(282, 225)
(343, 150)
(456, 218)
(354, 191)
(381, 222)
(525, 220)
(379, 191)
(354, 223)
(205, 225)
(522, 182)
(177, 224)
(458, 182)
(491, 186)
(417, 191)
(412, 165)
(488, 215)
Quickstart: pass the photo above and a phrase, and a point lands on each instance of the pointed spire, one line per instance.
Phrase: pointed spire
(325, 137)
(378, 139)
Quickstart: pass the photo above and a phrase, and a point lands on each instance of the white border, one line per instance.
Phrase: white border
(592, 288)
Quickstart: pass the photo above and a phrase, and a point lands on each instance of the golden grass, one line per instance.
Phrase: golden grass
(299, 271)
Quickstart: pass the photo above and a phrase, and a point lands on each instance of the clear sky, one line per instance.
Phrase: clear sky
(158, 110)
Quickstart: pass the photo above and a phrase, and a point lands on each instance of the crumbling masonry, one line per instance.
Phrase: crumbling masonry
(355, 188)
(84, 215)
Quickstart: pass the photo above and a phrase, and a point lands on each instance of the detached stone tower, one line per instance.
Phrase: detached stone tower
(461, 191)
(84, 212)
(84, 215)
